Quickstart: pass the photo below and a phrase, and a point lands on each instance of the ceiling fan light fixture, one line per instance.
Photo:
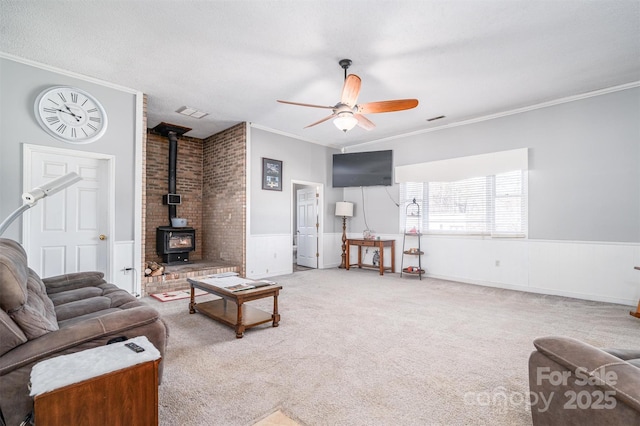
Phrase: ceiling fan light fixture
(345, 121)
(345, 111)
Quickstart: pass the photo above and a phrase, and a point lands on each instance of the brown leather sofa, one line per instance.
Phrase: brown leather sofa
(574, 383)
(45, 318)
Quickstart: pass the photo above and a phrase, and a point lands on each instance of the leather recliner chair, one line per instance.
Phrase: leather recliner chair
(574, 383)
(45, 318)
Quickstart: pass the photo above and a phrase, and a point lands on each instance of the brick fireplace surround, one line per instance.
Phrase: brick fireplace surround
(211, 177)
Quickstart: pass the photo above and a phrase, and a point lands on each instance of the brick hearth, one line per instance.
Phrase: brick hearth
(175, 276)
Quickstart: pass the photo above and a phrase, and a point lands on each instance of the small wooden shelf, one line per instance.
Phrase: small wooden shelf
(411, 242)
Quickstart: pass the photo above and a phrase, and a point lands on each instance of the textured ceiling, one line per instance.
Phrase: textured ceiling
(233, 59)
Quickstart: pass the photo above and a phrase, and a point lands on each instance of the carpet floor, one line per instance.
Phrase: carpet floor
(357, 348)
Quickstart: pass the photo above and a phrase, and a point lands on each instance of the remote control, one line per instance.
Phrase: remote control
(134, 347)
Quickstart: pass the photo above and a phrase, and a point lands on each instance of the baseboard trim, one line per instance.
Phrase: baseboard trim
(539, 290)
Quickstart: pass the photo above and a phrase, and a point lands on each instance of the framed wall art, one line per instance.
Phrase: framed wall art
(271, 174)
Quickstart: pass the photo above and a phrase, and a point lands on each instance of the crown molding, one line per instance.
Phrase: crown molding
(290, 135)
(69, 73)
(534, 107)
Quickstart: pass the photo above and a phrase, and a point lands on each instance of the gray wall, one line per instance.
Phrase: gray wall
(584, 167)
(301, 161)
(375, 208)
(20, 84)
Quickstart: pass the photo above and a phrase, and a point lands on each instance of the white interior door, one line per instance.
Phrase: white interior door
(307, 215)
(68, 231)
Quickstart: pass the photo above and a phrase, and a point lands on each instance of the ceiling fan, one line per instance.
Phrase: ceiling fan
(349, 114)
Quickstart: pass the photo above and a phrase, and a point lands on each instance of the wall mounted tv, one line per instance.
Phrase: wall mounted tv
(373, 168)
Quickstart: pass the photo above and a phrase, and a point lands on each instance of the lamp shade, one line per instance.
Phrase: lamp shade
(31, 198)
(50, 188)
(345, 121)
(344, 209)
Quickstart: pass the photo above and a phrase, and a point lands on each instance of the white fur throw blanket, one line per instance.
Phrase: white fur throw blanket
(64, 370)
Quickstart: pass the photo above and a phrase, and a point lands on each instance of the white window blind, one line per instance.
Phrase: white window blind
(493, 205)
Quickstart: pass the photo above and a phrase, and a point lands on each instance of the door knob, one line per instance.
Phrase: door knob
(102, 237)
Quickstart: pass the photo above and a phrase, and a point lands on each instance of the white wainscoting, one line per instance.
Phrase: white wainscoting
(269, 255)
(473, 260)
(122, 259)
(592, 271)
(584, 270)
(332, 250)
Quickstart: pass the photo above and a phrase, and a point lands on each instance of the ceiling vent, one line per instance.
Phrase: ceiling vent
(191, 112)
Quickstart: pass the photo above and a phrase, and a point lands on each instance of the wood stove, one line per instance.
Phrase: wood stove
(174, 244)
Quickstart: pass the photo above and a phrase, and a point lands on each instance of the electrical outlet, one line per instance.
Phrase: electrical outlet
(497, 263)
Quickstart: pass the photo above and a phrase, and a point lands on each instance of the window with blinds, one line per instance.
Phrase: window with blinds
(493, 205)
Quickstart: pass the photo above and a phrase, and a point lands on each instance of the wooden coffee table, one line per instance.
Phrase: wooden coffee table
(231, 309)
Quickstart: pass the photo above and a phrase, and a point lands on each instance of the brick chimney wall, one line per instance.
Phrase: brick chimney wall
(224, 196)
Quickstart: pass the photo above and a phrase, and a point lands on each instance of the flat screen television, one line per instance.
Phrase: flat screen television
(373, 168)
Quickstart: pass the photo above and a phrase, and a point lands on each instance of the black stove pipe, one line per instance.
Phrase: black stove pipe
(171, 132)
(173, 157)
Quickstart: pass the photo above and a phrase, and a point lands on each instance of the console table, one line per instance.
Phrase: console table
(637, 312)
(380, 245)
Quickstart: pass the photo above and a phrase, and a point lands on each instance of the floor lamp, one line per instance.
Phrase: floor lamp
(345, 210)
(32, 197)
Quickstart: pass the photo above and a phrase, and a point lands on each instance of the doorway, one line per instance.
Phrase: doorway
(71, 231)
(306, 236)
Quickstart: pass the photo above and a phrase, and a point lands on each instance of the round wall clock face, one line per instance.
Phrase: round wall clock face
(70, 114)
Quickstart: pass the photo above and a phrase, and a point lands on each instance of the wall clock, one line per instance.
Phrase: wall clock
(70, 114)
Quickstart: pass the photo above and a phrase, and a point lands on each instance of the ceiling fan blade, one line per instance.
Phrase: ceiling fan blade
(306, 105)
(351, 90)
(364, 122)
(387, 106)
(321, 121)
